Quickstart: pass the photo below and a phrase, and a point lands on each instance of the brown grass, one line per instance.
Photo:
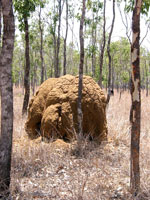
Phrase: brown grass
(53, 171)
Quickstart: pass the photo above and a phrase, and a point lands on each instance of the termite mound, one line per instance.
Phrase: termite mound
(52, 112)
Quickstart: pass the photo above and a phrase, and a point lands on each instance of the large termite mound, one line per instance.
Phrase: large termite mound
(52, 111)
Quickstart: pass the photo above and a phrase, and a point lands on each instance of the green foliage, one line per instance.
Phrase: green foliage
(145, 6)
(91, 49)
(120, 50)
(24, 8)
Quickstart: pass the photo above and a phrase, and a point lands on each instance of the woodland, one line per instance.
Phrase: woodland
(107, 40)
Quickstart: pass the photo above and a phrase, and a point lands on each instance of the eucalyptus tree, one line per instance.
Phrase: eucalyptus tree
(35, 55)
(0, 22)
(24, 8)
(60, 9)
(92, 21)
(18, 63)
(65, 39)
(120, 51)
(81, 35)
(102, 47)
(55, 16)
(41, 28)
(6, 96)
(109, 55)
(136, 99)
(138, 7)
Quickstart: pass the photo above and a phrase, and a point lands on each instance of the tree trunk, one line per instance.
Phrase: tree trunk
(55, 54)
(34, 76)
(146, 73)
(86, 65)
(80, 115)
(57, 74)
(45, 71)
(93, 47)
(6, 97)
(0, 23)
(136, 100)
(27, 69)
(41, 47)
(109, 55)
(102, 47)
(113, 77)
(65, 40)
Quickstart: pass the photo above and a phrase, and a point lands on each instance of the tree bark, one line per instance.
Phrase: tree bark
(34, 76)
(113, 76)
(146, 73)
(65, 40)
(41, 47)
(0, 23)
(102, 46)
(57, 74)
(6, 97)
(27, 69)
(136, 100)
(55, 53)
(109, 55)
(81, 35)
(93, 47)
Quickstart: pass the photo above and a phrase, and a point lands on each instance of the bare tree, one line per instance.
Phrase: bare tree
(109, 55)
(65, 39)
(57, 72)
(102, 45)
(41, 46)
(0, 23)
(27, 68)
(6, 97)
(147, 78)
(93, 47)
(125, 23)
(135, 114)
(80, 114)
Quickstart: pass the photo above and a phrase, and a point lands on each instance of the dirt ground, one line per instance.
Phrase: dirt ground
(55, 171)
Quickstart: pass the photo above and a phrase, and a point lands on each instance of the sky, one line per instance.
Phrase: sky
(119, 28)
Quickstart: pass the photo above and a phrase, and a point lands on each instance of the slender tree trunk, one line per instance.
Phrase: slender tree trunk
(34, 76)
(80, 115)
(109, 55)
(0, 32)
(93, 48)
(136, 100)
(58, 42)
(113, 77)
(55, 54)
(86, 65)
(101, 58)
(41, 47)
(27, 69)
(146, 74)
(65, 40)
(45, 71)
(0, 23)
(6, 97)
(93, 51)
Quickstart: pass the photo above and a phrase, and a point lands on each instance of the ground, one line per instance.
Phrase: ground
(55, 171)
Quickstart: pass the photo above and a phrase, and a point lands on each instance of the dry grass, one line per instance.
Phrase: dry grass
(52, 170)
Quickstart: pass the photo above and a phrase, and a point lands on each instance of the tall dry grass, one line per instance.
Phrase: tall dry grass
(53, 171)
